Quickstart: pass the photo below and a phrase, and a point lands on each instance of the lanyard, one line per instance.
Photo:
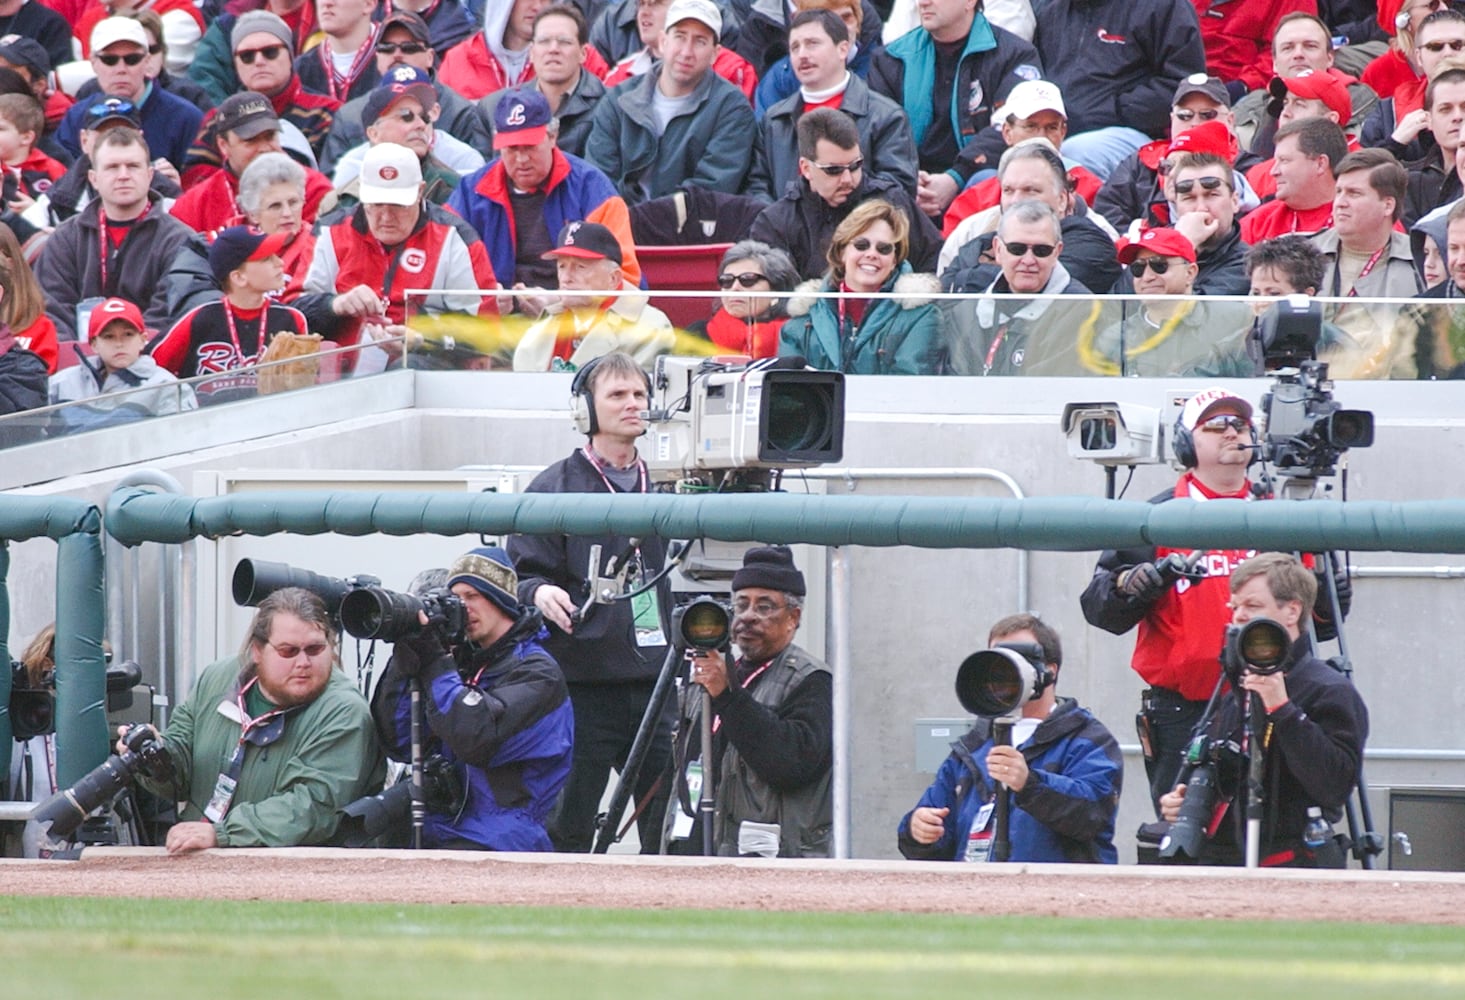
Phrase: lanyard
(337, 84)
(1369, 266)
(992, 351)
(270, 727)
(747, 683)
(259, 344)
(599, 465)
(104, 241)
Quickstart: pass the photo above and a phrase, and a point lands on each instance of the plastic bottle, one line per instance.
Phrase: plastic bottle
(1318, 830)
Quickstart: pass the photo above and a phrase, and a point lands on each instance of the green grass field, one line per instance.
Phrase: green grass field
(220, 950)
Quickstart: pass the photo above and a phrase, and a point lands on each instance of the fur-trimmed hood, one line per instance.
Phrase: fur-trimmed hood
(918, 285)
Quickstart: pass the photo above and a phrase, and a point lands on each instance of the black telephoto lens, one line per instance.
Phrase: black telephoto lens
(1188, 832)
(377, 613)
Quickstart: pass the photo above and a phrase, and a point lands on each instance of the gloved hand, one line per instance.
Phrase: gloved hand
(1141, 583)
(415, 654)
(1344, 583)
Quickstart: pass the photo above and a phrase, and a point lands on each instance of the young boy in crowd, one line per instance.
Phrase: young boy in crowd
(233, 333)
(29, 173)
(117, 335)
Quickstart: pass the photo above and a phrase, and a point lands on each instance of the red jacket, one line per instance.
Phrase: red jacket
(36, 173)
(1238, 36)
(1179, 642)
(211, 204)
(1276, 219)
(473, 71)
(40, 339)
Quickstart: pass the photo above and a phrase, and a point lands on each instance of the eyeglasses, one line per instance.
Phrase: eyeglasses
(1221, 425)
(1040, 250)
(1190, 115)
(762, 608)
(112, 107)
(1206, 183)
(559, 41)
(839, 169)
(407, 116)
(1157, 264)
(406, 48)
(131, 59)
(863, 245)
(269, 53)
(1454, 45)
(290, 652)
(745, 280)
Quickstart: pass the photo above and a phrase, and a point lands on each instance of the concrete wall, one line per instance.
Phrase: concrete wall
(915, 613)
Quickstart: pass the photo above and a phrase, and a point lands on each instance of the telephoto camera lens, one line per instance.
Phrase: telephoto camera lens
(703, 624)
(1188, 832)
(377, 613)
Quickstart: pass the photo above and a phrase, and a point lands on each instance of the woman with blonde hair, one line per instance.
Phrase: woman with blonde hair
(868, 330)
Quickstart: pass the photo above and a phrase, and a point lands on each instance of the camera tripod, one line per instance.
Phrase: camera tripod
(1368, 844)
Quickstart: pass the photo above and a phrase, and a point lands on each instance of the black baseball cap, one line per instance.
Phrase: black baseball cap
(586, 240)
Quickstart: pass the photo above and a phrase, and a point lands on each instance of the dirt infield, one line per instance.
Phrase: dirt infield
(851, 886)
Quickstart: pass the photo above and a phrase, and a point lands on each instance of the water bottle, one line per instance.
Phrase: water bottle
(1318, 830)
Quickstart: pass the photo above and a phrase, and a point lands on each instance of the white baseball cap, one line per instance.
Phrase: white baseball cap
(111, 30)
(1209, 402)
(390, 175)
(1032, 96)
(702, 11)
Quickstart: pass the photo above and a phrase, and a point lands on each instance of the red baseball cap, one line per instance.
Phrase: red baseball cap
(1208, 137)
(110, 311)
(1162, 240)
(1312, 86)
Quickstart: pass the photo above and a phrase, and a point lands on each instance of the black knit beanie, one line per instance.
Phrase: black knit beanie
(771, 567)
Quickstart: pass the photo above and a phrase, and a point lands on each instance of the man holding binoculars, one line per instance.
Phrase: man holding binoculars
(1311, 725)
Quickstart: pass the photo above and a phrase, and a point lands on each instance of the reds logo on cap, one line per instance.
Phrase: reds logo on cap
(570, 232)
(114, 306)
(516, 116)
(388, 173)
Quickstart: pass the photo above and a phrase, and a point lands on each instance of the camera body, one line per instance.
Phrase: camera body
(32, 709)
(715, 419)
(1306, 429)
(377, 613)
(384, 819)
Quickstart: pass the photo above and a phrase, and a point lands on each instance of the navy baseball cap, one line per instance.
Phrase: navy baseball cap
(520, 119)
(113, 110)
(18, 50)
(399, 82)
(237, 245)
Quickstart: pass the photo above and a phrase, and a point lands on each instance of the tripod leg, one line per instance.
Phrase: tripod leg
(640, 746)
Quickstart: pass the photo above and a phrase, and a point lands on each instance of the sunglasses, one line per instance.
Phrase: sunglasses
(1206, 183)
(1454, 45)
(1190, 115)
(862, 245)
(1222, 424)
(406, 48)
(269, 53)
(131, 59)
(745, 280)
(1040, 250)
(290, 652)
(111, 108)
(839, 169)
(1157, 264)
(407, 116)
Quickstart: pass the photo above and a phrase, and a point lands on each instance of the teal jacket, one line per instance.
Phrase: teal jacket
(290, 792)
(895, 336)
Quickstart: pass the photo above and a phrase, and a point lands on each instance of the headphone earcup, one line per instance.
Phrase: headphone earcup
(582, 404)
(1183, 445)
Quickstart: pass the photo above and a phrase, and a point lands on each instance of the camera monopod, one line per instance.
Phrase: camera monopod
(1261, 646)
(996, 683)
(419, 792)
(705, 626)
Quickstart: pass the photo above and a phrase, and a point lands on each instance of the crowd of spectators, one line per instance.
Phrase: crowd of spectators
(413, 146)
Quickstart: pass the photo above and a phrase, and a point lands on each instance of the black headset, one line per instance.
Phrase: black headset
(1182, 443)
(582, 397)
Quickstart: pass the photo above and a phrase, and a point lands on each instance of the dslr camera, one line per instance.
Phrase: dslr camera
(143, 756)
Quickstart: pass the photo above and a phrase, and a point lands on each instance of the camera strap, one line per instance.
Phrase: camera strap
(745, 683)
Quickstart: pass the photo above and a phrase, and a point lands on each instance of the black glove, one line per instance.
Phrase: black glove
(417, 654)
(1141, 583)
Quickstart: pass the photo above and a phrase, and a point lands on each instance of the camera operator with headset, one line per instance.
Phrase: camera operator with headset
(1312, 734)
(1063, 767)
(496, 707)
(612, 657)
(1178, 599)
(773, 721)
(271, 744)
